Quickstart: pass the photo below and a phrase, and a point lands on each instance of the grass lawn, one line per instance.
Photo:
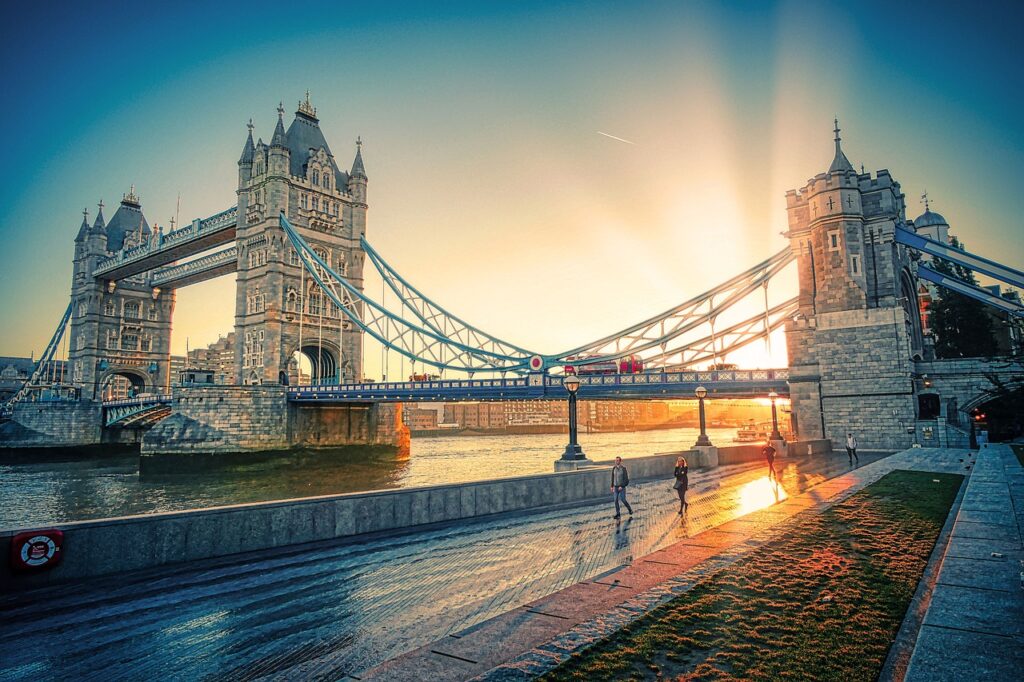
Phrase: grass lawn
(822, 602)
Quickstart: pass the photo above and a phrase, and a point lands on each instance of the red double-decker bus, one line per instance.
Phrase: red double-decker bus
(631, 364)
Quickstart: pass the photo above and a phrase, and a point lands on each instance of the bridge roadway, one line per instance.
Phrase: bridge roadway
(752, 383)
(327, 611)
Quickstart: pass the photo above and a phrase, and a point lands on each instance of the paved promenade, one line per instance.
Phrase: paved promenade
(325, 612)
(528, 641)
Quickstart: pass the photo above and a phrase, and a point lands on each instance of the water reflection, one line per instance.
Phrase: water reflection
(100, 485)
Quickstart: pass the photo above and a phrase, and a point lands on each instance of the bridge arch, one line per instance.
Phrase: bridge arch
(316, 361)
(121, 382)
(912, 308)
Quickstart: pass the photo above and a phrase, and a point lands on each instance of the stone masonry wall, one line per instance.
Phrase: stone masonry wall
(222, 419)
(866, 377)
(43, 424)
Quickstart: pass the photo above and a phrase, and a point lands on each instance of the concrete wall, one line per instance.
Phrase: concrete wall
(56, 424)
(110, 546)
(102, 547)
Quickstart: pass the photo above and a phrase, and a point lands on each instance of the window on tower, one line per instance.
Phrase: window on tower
(109, 307)
(316, 177)
(131, 310)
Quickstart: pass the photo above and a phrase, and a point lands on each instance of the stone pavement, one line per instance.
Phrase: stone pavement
(528, 641)
(327, 610)
(973, 628)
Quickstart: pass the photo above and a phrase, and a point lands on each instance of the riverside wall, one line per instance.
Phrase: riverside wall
(118, 545)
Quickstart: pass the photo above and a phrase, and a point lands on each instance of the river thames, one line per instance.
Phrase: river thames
(56, 490)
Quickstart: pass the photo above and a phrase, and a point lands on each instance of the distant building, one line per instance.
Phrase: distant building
(218, 357)
(14, 372)
(419, 419)
(476, 415)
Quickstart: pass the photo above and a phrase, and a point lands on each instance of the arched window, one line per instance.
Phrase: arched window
(327, 180)
(80, 342)
(109, 307)
(147, 343)
(293, 256)
(303, 200)
(152, 313)
(316, 177)
(111, 339)
(324, 254)
(82, 308)
(291, 300)
(131, 310)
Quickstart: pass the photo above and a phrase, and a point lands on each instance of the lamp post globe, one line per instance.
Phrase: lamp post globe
(573, 451)
(702, 439)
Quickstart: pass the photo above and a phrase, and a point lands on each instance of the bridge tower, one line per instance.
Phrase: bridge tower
(279, 309)
(853, 343)
(118, 328)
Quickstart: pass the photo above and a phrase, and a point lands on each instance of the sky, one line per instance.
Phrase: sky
(491, 186)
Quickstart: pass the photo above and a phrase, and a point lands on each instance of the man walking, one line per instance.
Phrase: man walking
(769, 455)
(620, 479)
(851, 447)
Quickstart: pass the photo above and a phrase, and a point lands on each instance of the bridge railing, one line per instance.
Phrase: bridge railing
(141, 400)
(540, 382)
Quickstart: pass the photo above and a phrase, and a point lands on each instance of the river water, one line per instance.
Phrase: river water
(40, 492)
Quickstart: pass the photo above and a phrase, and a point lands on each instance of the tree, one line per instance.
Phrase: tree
(963, 329)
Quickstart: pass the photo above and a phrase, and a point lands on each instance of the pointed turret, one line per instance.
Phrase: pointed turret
(279, 139)
(99, 226)
(83, 231)
(840, 162)
(248, 150)
(358, 171)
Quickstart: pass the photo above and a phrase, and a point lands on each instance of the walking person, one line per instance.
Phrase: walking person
(682, 483)
(768, 451)
(851, 447)
(620, 479)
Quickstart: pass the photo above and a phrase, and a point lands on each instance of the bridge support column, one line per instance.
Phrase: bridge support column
(234, 419)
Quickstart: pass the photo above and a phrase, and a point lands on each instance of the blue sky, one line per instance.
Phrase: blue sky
(489, 185)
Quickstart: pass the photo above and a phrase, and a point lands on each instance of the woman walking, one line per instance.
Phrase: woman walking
(682, 482)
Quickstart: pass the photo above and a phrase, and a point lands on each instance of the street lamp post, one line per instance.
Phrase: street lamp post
(573, 451)
(775, 418)
(702, 439)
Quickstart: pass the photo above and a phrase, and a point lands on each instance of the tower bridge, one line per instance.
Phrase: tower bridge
(296, 240)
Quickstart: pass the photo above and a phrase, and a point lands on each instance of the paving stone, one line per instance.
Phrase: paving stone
(980, 573)
(986, 531)
(947, 655)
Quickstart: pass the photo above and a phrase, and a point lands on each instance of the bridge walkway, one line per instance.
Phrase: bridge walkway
(336, 610)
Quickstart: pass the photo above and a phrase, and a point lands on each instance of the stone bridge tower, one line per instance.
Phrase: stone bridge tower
(278, 309)
(853, 344)
(118, 328)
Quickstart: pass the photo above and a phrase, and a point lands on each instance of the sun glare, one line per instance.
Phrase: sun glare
(759, 494)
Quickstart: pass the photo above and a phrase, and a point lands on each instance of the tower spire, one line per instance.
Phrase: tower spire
(84, 229)
(924, 198)
(248, 149)
(279, 136)
(358, 171)
(99, 225)
(839, 162)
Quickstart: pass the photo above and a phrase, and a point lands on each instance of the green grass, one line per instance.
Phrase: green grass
(1019, 451)
(823, 602)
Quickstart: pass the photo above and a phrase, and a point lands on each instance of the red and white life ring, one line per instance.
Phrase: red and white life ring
(36, 550)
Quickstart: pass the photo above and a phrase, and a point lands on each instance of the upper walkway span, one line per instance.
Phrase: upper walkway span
(198, 236)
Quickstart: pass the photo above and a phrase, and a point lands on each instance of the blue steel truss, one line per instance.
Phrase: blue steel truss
(658, 331)
(40, 370)
(971, 291)
(136, 411)
(959, 256)
(415, 342)
(647, 386)
(436, 318)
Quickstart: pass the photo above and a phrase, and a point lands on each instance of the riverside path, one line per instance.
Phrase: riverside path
(338, 609)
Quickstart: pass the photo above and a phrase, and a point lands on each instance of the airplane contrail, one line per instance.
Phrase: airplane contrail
(615, 138)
